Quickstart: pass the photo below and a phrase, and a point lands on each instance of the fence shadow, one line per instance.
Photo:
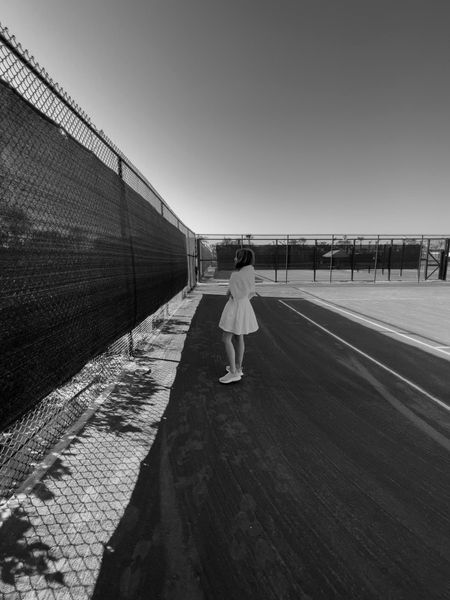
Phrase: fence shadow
(58, 533)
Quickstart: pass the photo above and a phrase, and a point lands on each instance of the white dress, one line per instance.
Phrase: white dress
(238, 315)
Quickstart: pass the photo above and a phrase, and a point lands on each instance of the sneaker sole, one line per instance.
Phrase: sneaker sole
(231, 381)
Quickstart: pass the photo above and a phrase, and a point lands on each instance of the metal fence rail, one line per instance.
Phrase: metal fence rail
(20, 70)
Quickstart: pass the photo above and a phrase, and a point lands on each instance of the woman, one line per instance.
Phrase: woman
(238, 318)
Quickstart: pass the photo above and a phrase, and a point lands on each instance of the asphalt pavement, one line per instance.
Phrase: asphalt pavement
(324, 473)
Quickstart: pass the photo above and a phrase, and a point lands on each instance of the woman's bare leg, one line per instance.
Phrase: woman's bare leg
(229, 349)
(240, 351)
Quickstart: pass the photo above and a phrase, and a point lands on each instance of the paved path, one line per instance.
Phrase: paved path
(322, 474)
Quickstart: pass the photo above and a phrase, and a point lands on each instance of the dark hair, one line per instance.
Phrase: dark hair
(245, 257)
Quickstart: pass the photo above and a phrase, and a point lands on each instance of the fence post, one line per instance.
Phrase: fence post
(276, 260)
(402, 257)
(198, 258)
(420, 260)
(426, 260)
(130, 333)
(315, 260)
(376, 260)
(390, 259)
(287, 256)
(331, 257)
(353, 259)
(444, 260)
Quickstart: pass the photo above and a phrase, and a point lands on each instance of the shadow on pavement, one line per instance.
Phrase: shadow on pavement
(300, 481)
(54, 539)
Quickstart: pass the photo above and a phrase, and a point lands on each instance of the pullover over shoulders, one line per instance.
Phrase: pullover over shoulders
(242, 283)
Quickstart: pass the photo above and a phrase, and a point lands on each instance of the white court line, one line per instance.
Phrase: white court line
(383, 366)
(408, 337)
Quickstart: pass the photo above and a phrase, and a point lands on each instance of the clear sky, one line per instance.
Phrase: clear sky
(264, 116)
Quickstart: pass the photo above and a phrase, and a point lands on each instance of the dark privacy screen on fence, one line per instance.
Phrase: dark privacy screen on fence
(318, 256)
(83, 257)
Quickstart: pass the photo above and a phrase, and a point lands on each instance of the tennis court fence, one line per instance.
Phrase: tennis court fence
(92, 259)
(328, 258)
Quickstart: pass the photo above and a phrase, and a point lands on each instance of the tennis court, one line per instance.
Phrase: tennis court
(324, 473)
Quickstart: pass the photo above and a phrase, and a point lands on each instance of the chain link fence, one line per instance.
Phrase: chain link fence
(91, 257)
(328, 259)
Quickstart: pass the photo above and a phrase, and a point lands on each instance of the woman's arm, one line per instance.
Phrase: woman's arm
(252, 291)
(231, 285)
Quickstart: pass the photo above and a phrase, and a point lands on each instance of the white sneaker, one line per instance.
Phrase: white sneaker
(230, 378)
(240, 371)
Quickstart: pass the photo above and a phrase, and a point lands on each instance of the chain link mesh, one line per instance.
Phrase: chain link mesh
(296, 258)
(89, 253)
